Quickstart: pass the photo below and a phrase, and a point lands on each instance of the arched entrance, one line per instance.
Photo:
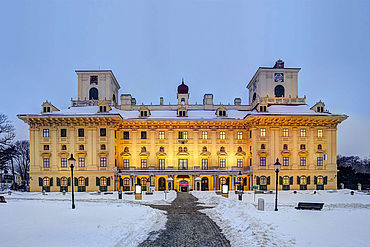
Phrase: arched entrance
(279, 91)
(204, 184)
(161, 184)
(93, 94)
(184, 186)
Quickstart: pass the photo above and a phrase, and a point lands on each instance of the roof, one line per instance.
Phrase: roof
(269, 68)
(101, 71)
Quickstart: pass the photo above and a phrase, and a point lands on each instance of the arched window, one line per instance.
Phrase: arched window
(126, 150)
(103, 147)
(82, 147)
(144, 181)
(161, 149)
(222, 180)
(263, 146)
(303, 147)
(263, 180)
(126, 182)
(64, 147)
(143, 149)
(103, 181)
(303, 180)
(204, 149)
(286, 180)
(81, 181)
(320, 180)
(279, 91)
(319, 147)
(285, 146)
(222, 149)
(46, 181)
(63, 181)
(93, 94)
(240, 149)
(185, 149)
(180, 149)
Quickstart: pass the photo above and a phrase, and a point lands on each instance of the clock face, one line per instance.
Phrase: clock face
(279, 77)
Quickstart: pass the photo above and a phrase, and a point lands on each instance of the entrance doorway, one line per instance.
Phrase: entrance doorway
(204, 184)
(184, 186)
(161, 184)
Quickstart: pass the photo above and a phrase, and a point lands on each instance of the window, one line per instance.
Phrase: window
(46, 109)
(286, 180)
(161, 149)
(222, 135)
(81, 162)
(263, 108)
(143, 149)
(161, 135)
(103, 161)
(262, 161)
(46, 162)
(303, 132)
(263, 146)
(183, 135)
(81, 132)
(279, 91)
(161, 163)
(239, 163)
(319, 133)
(319, 161)
(263, 132)
(63, 133)
(222, 180)
(222, 163)
(303, 180)
(143, 134)
(285, 146)
(103, 147)
(204, 135)
(63, 181)
(94, 79)
(222, 149)
(81, 147)
(81, 181)
(144, 163)
(182, 113)
(183, 164)
(320, 180)
(303, 161)
(126, 135)
(204, 164)
(103, 132)
(285, 161)
(240, 135)
(185, 149)
(126, 163)
(102, 108)
(144, 113)
(46, 147)
(319, 147)
(45, 133)
(126, 182)
(320, 109)
(240, 149)
(222, 113)
(143, 182)
(103, 181)
(303, 147)
(263, 180)
(46, 182)
(63, 162)
(285, 132)
(93, 94)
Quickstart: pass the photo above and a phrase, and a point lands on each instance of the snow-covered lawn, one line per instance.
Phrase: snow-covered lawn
(344, 220)
(33, 219)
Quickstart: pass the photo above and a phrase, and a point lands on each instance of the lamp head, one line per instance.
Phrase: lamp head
(71, 161)
(277, 165)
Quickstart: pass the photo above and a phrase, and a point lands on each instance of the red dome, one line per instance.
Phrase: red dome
(182, 89)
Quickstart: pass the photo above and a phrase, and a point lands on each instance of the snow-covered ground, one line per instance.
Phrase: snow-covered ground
(33, 219)
(344, 220)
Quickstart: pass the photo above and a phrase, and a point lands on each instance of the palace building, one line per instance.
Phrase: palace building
(118, 143)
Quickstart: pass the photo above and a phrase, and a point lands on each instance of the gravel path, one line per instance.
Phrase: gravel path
(186, 226)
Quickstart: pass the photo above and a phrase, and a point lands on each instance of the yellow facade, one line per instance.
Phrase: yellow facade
(237, 147)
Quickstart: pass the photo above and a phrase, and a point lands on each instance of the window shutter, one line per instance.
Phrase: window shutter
(69, 182)
(268, 180)
(51, 181)
(258, 180)
(97, 181)
(280, 180)
(58, 181)
(87, 181)
(298, 180)
(76, 182)
(308, 180)
(40, 181)
(315, 180)
(108, 181)
(120, 182)
(325, 180)
(291, 180)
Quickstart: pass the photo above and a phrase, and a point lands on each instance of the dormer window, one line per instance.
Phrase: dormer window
(46, 109)
(102, 108)
(320, 109)
(182, 113)
(94, 79)
(221, 112)
(263, 108)
(143, 113)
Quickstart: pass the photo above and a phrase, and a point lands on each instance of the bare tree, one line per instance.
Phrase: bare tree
(22, 159)
(6, 137)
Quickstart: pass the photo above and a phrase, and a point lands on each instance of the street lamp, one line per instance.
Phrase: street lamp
(240, 178)
(72, 162)
(277, 166)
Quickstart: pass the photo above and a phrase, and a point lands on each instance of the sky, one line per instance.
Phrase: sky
(216, 45)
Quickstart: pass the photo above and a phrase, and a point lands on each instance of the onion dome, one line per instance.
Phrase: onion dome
(182, 88)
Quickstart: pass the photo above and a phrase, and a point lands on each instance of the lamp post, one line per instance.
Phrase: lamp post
(71, 162)
(240, 180)
(277, 166)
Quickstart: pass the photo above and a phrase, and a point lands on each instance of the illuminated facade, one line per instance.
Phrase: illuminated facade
(185, 146)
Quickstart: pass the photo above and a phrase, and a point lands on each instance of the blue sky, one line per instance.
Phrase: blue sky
(215, 45)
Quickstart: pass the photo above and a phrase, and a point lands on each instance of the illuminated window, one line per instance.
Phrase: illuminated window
(285, 161)
(144, 181)
(126, 182)
(222, 163)
(320, 180)
(46, 162)
(45, 133)
(285, 132)
(183, 164)
(239, 163)
(46, 182)
(126, 163)
(303, 161)
(103, 161)
(262, 161)
(303, 133)
(81, 162)
(319, 133)
(183, 135)
(63, 162)
(63, 181)
(240, 135)
(161, 135)
(103, 181)
(303, 180)
(161, 163)
(263, 180)
(320, 161)
(222, 180)
(222, 135)
(204, 164)
(81, 181)
(263, 132)
(204, 135)
(144, 163)
(286, 180)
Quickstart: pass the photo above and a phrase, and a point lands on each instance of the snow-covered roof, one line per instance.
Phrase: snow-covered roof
(296, 110)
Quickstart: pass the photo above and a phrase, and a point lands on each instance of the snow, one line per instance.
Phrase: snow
(344, 220)
(290, 110)
(33, 219)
